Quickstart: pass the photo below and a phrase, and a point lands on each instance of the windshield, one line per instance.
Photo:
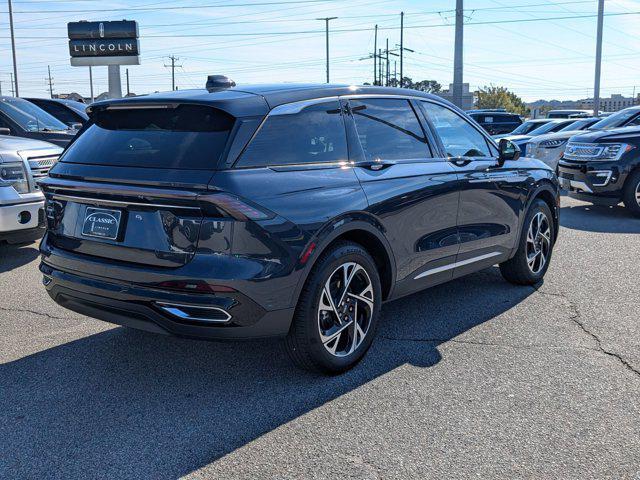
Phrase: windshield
(547, 127)
(184, 137)
(526, 127)
(579, 124)
(29, 116)
(616, 120)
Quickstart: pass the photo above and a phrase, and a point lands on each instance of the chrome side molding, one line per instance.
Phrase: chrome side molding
(461, 263)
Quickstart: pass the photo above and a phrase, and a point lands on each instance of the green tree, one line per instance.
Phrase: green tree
(429, 86)
(500, 97)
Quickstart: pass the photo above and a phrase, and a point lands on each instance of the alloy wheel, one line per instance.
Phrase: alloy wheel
(638, 194)
(345, 309)
(538, 242)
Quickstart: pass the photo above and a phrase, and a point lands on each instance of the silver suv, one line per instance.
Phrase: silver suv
(22, 162)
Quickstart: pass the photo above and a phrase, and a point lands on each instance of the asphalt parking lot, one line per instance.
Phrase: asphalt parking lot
(472, 379)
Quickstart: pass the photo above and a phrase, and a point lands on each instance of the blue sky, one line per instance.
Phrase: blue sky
(281, 41)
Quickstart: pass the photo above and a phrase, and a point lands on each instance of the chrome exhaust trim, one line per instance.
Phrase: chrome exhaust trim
(197, 313)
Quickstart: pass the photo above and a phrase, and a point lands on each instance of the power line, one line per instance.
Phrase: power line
(366, 29)
(146, 9)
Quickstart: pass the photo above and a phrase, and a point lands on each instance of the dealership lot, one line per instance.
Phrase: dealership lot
(474, 378)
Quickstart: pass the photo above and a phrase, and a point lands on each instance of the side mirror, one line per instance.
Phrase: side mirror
(508, 151)
(5, 131)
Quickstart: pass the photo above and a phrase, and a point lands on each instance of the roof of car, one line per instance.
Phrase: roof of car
(258, 99)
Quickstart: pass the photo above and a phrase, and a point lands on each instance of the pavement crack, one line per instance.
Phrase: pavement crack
(576, 317)
(33, 312)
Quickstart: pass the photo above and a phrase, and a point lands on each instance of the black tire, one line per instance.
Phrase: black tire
(630, 193)
(303, 343)
(517, 269)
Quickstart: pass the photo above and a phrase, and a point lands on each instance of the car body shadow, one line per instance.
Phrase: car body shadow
(124, 403)
(599, 219)
(14, 256)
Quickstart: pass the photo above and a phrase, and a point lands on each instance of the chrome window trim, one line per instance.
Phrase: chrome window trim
(291, 108)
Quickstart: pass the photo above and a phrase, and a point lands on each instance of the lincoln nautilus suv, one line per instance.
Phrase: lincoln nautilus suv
(285, 210)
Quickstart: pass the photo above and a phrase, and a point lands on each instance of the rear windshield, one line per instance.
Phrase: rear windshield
(185, 137)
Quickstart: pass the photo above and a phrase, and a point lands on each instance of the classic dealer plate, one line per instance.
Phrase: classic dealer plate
(101, 223)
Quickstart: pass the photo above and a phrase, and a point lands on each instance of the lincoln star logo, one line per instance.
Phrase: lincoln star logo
(101, 29)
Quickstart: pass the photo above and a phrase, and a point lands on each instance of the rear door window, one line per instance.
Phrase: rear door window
(183, 137)
(389, 129)
(298, 134)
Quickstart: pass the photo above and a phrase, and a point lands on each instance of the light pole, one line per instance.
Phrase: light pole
(457, 56)
(326, 20)
(13, 50)
(596, 84)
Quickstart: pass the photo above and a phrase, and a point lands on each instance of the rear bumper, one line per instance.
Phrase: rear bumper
(153, 309)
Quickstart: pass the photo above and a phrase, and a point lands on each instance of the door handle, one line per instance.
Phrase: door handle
(375, 165)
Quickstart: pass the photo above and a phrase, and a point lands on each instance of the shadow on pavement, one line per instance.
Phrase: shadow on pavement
(130, 404)
(598, 218)
(14, 256)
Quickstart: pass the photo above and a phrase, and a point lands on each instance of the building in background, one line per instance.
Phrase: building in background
(612, 104)
(467, 96)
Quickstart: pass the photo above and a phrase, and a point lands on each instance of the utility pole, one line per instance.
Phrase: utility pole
(375, 60)
(13, 92)
(173, 70)
(326, 22)
(13, 49)
(401, 48)
(457, 56)
(596, 86)
(127, 82)
(380, 66)
(50, 81)
(91, 84)
(387, 63)
(395, 73)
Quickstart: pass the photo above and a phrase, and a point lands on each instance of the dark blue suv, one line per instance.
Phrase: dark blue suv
(285, 210)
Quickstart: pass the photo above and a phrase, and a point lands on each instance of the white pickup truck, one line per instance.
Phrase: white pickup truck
(22, 162)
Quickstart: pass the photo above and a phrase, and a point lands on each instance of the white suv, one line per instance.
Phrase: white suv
(22, 162)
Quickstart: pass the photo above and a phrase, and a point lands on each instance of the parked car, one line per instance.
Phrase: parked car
(568, 113)
(21, 118)
(285, 210)
(525, 127)
(603, 167)
(548, 148)
(550, 127)
(70, 112)
(22, 162)
(496, 121)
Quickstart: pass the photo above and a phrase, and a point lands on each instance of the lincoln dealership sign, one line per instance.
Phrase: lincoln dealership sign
(104, 43)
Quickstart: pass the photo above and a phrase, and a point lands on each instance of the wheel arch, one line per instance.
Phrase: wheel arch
(551, 196)
(362, 229)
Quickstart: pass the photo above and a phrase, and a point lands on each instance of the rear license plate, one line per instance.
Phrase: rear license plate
(101, 223)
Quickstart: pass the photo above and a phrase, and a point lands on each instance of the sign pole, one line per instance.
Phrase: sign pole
(115, 85)
(91, 84)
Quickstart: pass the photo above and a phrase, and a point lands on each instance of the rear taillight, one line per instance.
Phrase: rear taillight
(233, 206)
